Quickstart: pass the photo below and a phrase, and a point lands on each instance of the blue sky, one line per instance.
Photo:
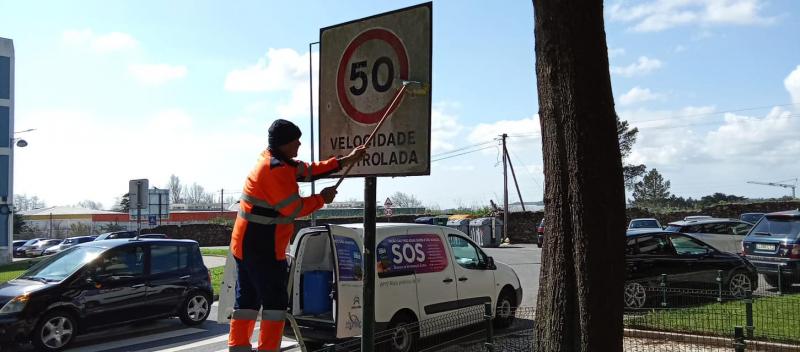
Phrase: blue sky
(124, 90)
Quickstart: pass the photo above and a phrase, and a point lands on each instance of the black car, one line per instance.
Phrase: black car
(17, 244)
(115, 235)
(20, 251)
(96, 285)
(773, 243)
(687, 262)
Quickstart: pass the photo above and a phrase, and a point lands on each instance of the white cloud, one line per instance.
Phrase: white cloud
(156, 74)
(792, 84)
(679, 48)
(770, 139)
(614, 52)
(102, 43)
(524, 135)
(445, 127)
(279, 69)
(638, 95)
(642, 66)
(658, 15)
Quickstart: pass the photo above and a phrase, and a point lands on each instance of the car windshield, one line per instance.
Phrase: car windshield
(778, 227)
(62, 265)
(673, 228)
(31, 242)
(102, 237)
(645, 224)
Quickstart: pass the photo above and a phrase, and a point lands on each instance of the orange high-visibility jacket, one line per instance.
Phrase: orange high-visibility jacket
(271, 201)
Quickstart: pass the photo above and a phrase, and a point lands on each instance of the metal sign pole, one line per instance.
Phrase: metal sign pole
(311, 114)
(368, 317)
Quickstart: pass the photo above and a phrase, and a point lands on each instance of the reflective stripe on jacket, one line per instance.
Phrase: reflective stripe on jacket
(270, 203)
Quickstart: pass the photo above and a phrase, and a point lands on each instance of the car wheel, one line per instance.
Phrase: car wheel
(54, 331)
(195, 309)
(505, 310)
(635, 295)
(739, 284)
(403, 334)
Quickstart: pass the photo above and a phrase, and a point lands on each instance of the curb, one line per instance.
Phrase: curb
(708, 340)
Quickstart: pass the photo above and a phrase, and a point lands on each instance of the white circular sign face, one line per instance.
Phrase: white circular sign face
(364, 83)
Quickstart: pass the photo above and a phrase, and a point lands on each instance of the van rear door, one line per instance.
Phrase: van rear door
(349, 277)
(227, 291)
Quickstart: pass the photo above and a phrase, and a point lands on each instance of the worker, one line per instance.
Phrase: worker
(270, 202)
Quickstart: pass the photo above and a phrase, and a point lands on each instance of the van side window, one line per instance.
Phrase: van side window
(465, 253)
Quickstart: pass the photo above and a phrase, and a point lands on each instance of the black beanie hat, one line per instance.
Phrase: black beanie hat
(282, 132)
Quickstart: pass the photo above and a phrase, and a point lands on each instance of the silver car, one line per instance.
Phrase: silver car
(39, 248)
(724, 234)
(69, 242)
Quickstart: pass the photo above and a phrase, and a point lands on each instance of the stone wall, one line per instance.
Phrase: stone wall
(728, 210)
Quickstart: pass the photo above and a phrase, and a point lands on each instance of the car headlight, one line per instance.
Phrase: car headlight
(15, 305)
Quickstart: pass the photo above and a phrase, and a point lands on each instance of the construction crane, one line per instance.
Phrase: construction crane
(793, 186)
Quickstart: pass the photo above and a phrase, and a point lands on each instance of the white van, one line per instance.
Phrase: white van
(422, 272)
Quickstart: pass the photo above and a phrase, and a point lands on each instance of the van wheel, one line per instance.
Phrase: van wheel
(195, 309)
(505, 310)
(403, 334)
(54, 331)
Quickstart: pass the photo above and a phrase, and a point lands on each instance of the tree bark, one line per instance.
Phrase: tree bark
(580, 300)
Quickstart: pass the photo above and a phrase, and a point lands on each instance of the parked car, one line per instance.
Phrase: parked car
(20, 251)
(423, 272)
(38, 248)
(751, 217)
(774, 242)
(153, 235)
(96, 285)
(724, 234)
(116, 234)
(644, 223)
(540, 233)
(688, 263)
(69, 242)
(17, 244)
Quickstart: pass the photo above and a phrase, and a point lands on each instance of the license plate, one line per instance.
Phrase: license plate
(765, 247)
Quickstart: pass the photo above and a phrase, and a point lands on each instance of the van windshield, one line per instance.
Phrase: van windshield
(62, 265)
(778, 227)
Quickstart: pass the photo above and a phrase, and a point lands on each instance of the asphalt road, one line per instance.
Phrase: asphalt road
(170, 335)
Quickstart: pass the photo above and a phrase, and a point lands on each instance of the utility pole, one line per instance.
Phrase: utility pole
(505, 187)
(221, 201)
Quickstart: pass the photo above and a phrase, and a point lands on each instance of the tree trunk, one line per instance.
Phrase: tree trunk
(581, 284)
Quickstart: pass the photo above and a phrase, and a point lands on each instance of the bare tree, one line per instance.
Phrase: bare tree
(175, 189)
(23, 202)
(404, 200)
(90, 204)
(195, 194)
(580, 292)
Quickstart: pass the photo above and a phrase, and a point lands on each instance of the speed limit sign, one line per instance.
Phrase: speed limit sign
(363, 65)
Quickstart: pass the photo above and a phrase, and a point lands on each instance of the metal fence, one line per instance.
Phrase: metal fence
(674, 319)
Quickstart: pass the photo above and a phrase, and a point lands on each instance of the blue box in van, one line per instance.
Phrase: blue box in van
(316, 292)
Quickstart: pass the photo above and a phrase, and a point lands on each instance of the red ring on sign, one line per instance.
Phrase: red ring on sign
(399, 49)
